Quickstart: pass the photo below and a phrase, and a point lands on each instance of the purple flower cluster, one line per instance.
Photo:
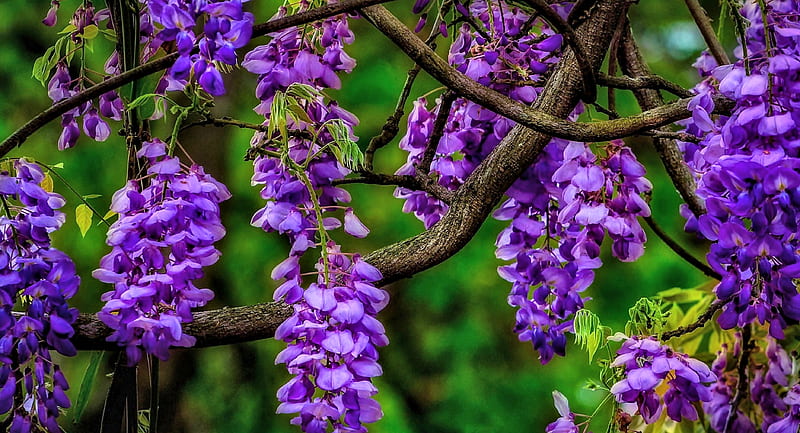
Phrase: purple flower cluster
(769, 380)
(646, 364)
(747, 164)
(39, 279)
(569, 200)
(310, 56)
(163, 238)
(512, 62)
(62, 86)
(333, 335)
(566, 422)
(226, 28)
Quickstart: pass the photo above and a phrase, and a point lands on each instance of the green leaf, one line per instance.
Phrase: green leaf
(68, 29)
(343, 147)
(47, 182)
(83, 216)
(91, 196)
(90, 32)
(588, 331)
(680, 295)
(87, 383)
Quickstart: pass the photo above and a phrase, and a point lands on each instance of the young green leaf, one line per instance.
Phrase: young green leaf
(588, 331)
(83, 216)
(87, 383)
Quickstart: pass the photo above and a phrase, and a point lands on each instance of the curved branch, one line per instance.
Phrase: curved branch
(53, 112)
(483, 189)
(470, 206)
(643, 82)
(211, 328)
(531, 117)
(632, 64)
(421, 182)
(699, 323)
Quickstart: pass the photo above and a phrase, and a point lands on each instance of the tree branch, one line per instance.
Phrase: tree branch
(699, 323)
(565, 29)
(531, 117)
(211, 328)
(391, 127)
(417, 183)
(680, 251)
(643, 82)
(704, 25)
(53, 112)
(471, 204)
(632, 64)
(438, 131)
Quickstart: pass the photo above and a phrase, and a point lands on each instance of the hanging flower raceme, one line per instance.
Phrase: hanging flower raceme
(646, 364)
(226, 28)
(164, 237)
(333, 336)
(748, 168)
(39, 279)
(570, 199)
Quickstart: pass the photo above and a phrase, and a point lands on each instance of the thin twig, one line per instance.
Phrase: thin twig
(707, 30)
(682, 178)
(682, 136)
(679, 250)
(742, 385)
(416, 183)
(643, 82)
(565, 29)
(699, 323)
(438, 131)
(391, 127)
(532, 118)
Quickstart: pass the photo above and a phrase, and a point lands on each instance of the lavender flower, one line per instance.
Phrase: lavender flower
(646, 364)
(40, 279)
(163, 238)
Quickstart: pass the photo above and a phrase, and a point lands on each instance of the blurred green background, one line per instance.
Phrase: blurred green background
(453, 364)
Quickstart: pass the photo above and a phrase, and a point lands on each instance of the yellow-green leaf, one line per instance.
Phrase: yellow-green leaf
(83, 215)
(90, 32)
(47, 183)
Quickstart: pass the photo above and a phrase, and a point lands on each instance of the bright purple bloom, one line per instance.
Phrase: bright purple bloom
(171, 224)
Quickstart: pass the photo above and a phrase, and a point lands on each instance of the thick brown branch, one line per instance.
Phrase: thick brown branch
(476, 198)
(211, 328)
(633, 65)
(53, 112)
(531, 117)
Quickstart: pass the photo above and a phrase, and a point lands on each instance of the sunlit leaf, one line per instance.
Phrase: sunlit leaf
(83, 216)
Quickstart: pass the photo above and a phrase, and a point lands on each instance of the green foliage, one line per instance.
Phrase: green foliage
(83, 216)
(646, 318)
(87, 384)
(589, 333)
